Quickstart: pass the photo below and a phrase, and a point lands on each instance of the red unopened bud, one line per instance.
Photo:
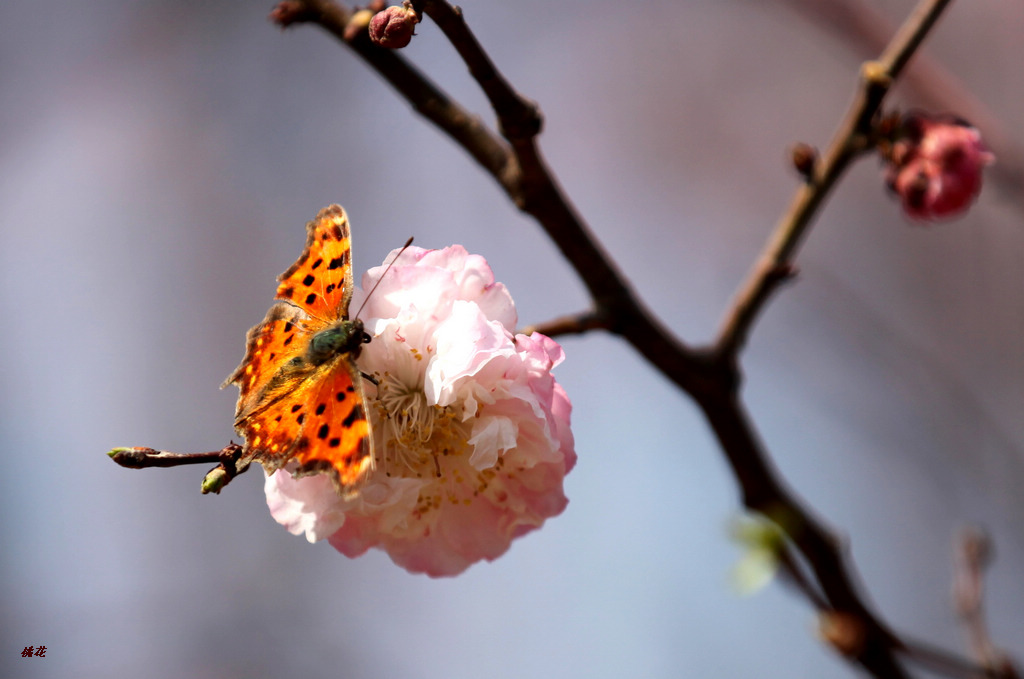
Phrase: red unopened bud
(393, 27)
(935, 166)
(804, 159)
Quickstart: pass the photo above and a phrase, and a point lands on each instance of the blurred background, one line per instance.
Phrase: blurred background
(158, 163)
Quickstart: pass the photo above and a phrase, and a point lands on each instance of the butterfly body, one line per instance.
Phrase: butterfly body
(343, 337)
(300, 393)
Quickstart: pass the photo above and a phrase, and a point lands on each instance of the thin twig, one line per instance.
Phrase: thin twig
(570, 325)
(227, 460)
(518, 118)
(849, 141)
(143, 458)
(973, 553)
(944, 662)
(861, 25)
(427, 99)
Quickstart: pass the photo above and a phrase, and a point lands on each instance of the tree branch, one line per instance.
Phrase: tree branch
(851, 139)
(427, 99)
(226, 458)
(947, 664)
(764, 492)
(859, 24)
(534, 189)
(711, 377)
(576, 324)
(517, 166)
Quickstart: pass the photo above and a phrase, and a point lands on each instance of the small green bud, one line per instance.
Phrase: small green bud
(214, 480)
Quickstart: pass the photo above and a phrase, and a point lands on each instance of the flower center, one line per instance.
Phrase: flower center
(413, 433)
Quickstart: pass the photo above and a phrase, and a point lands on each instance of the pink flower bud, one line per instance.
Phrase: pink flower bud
(393, 28)
(935, 167)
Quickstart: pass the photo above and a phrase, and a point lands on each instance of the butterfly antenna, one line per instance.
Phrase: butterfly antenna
(390, 264)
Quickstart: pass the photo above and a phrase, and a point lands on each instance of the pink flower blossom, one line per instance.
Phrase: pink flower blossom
(936, 168)
(471, 431)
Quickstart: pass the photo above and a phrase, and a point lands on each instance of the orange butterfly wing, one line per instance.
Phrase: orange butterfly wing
(283, 335)
(320, 282)
(292, 406)
(336, 438)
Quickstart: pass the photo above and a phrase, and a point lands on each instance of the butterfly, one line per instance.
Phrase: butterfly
(300, 393)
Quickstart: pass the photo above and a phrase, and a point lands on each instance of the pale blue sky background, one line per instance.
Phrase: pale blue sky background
(157, 164)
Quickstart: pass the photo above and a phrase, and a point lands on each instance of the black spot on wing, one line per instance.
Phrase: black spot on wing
(339, 261)
(353, 417)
